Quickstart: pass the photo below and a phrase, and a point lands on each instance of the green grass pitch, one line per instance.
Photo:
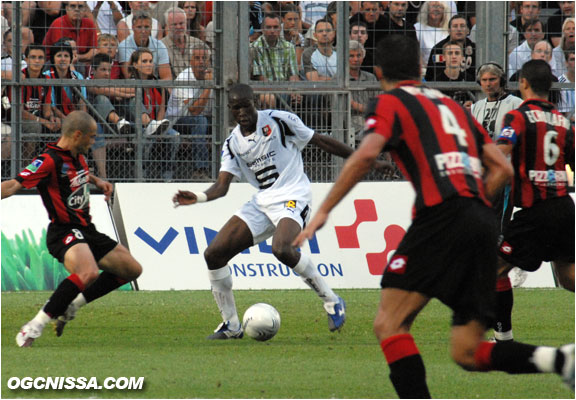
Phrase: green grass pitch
(161, 336)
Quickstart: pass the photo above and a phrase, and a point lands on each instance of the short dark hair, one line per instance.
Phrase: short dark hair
(327, 21)
(457, 16)
(358, 23)
(532, 23)
(539, 76)
(566, 53)
(271, 16)
(405, 64)
(101, 58)
(34, 46)
(241, 91)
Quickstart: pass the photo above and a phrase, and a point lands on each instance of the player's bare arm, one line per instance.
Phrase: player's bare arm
(333, 146)
(499, 170)
(105, 186)
(10, 187)
(217, 190)
(353, 171)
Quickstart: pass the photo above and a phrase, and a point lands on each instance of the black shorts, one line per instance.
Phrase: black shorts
(543, 232)
(62, 237)
(450, 253)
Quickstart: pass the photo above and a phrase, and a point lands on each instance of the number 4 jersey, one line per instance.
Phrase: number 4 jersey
(270, 158)
(435, 142)
(543, 143)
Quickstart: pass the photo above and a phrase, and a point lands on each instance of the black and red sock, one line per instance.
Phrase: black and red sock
(504, 304)
(63, 296)
(105, 283)
(407, 371)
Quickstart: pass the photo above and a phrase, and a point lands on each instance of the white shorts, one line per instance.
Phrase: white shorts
(262, 220)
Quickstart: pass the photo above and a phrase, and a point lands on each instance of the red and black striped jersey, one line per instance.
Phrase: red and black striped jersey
(62, 181)
(543, 141)
(435, 142)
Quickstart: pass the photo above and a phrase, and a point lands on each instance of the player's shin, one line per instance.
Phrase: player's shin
(221, 282)
(105, 284)
(63, 296)
(309, 274)
(407, 371)
(504, 303)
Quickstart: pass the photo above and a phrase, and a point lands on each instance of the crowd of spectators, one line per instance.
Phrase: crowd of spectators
(289, 41)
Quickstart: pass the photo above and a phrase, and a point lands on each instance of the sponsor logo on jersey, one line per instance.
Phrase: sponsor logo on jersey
(80, 179)
(506, 248)
(548, 177)
(33, 167)
(79, 198)
(266, 130)
(397, 264)
(69, 239)
(456, 162)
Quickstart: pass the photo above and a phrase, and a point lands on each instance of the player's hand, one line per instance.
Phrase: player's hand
(316, 223)
(184, 198)
(106, 187)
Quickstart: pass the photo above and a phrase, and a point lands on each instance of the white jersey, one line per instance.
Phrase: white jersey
(270, 158)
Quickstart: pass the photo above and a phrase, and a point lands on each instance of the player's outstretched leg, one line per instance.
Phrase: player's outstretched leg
(520, 358)
(286, 231)
(56, 305)
(334, 305)
(119, 268)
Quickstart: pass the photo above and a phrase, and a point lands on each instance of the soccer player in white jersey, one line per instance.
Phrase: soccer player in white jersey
(265, 148)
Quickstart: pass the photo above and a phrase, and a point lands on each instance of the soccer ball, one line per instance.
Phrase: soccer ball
(261, 322)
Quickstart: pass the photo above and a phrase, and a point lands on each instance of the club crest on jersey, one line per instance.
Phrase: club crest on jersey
(291, 205)
(33, 167)
(266, 130)
(397, 264)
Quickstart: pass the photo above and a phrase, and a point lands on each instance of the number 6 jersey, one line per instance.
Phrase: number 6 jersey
(270, 158)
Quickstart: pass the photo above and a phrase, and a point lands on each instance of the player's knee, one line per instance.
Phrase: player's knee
(133, 270)
(284, 252)
(384, 328)
(214, 258)
(88, 275)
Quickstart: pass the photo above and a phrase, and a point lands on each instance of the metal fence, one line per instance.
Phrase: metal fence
(193, 153)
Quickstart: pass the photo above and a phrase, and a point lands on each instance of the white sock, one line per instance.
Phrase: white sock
(504, 335)
(41, 319)
(79, 301)
(309, 274)
(543, 358)
(221, 281)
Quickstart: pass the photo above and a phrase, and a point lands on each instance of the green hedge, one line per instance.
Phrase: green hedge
(27, 264)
